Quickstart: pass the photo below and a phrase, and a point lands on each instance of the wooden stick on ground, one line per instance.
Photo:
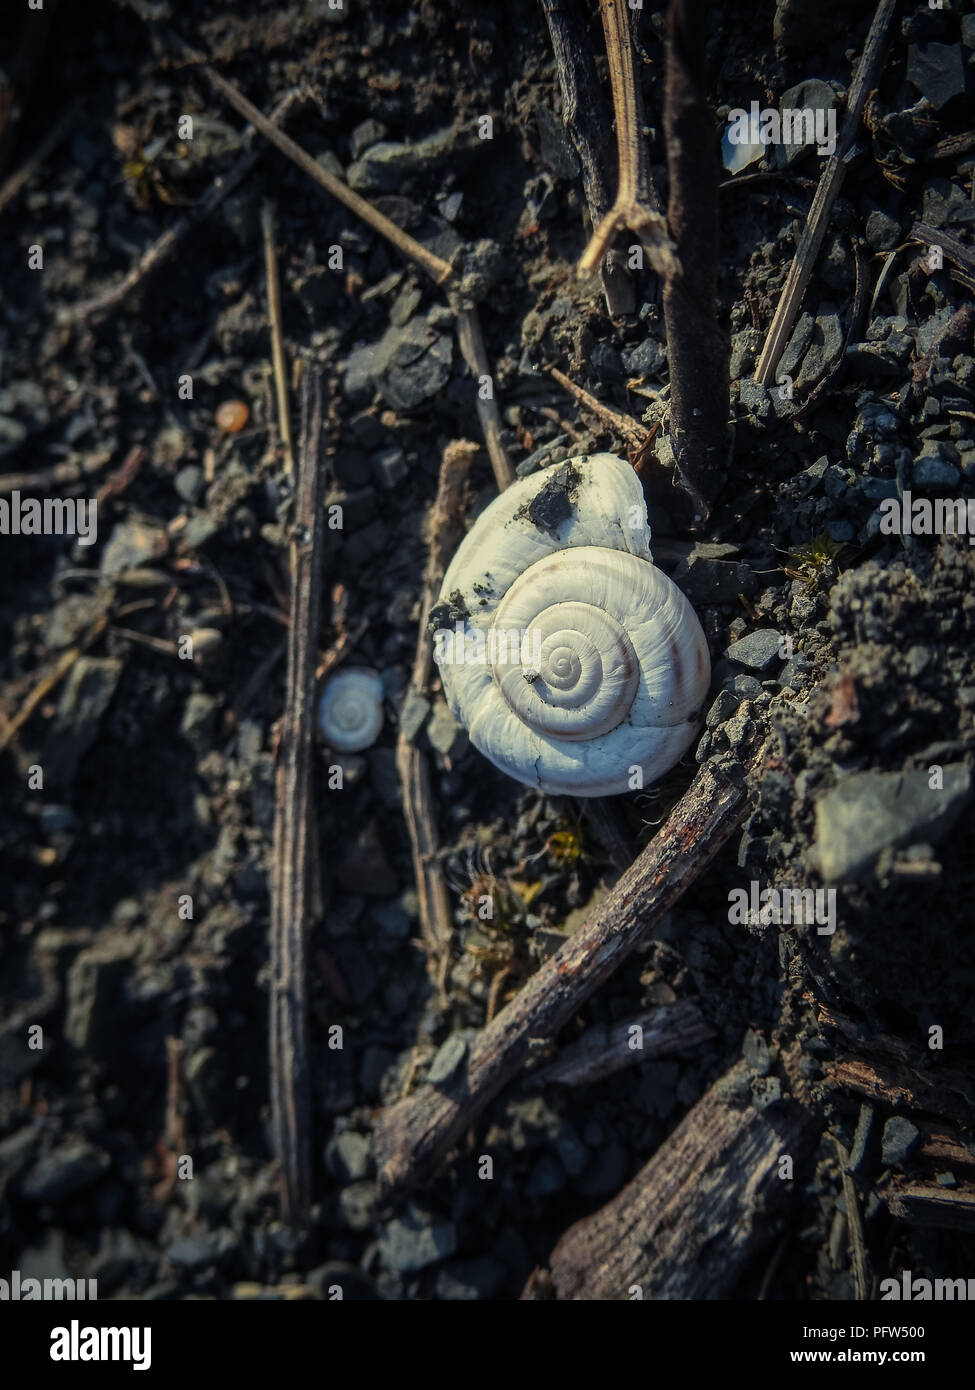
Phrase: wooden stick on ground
(691, 1219)
(670, 1030)
(413, 1136)
(830, 183)
(471, 343)
(636, 206)
(446, 528)
(292, 892)
(277, 336)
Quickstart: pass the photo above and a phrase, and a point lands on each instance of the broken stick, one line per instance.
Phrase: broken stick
(688, 1223)
(292, 891)
(830, 183)
(413, 1136)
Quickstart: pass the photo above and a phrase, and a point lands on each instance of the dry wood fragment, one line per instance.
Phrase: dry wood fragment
(880, 1066)
(790, 301)
(414, 1135)
(924, 1204)
(953, 247)
(689, 1222)
(671, 1030)
(293, 895)
(854, 1225)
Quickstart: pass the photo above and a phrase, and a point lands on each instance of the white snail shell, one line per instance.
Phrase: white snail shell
(351, 710)
(568, 656)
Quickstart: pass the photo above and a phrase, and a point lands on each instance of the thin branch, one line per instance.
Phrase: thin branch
(790, 301)
(413, 1136)
(635, 435)
(292, 892)
(471, 342)
(277, 336)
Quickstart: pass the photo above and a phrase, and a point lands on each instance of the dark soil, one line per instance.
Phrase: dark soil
(136, 903)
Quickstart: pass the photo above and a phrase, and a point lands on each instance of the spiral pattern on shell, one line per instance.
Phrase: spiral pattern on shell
(574, 663)
(350, 713)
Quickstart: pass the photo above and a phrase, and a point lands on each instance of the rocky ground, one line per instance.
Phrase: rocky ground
(158, 773)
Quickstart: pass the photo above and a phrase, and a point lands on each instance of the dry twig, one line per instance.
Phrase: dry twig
(687, 1224)
(413, 1136)
(277, 336)
(293, 895)
(830, 183)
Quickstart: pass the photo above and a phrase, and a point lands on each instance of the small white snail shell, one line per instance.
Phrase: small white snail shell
(350, 714)
(568, 656)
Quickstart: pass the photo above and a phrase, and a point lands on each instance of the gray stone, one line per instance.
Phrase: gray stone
(412, 364)
(867, 812)
(766, 1091)
(131, 545)
(416, 1241)
(899, 1141)
(935, 471)
(646, 360)
(348, 1156)
(444, 733)
(827, 339)
(66, 1170)
(796, 346)
(814, 95)
(707, 581)
(757, 650)
(449, 1059)
(859, 1150)
(754, 398)
(199, 715)
(357, 383)
(357, 1203)
(937, 70)
(390, 466)
(413, 714)
(368, 132)
(470, 1280)
(883, 231)
(189, 483)
(383, 167)
(87, 693)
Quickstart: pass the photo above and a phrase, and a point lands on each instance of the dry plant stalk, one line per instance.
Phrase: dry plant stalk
(294, 895)
(446, 528)
(635, 206)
